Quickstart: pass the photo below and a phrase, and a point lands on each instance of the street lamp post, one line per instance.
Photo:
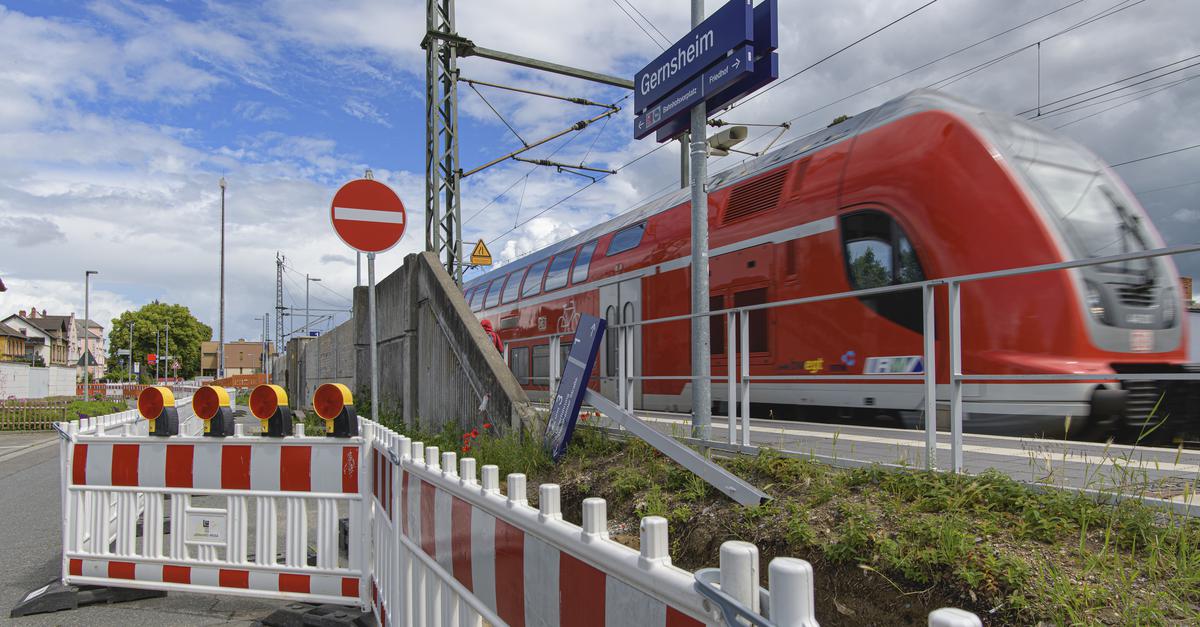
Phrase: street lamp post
(87, 277)
(168, 349)
(307, 280)
(130, 375)
(221, 316)
(157, 357)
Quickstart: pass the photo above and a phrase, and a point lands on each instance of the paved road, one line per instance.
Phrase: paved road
(30, 534)
(1149, 471)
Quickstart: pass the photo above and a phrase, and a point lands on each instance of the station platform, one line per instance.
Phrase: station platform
(1167, 475)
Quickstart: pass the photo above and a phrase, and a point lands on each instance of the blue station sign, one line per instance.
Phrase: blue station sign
(690, 72)
(721, 75)
(727, 28)
(568, 398)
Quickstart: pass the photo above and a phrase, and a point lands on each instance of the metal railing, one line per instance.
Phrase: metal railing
(739, 379)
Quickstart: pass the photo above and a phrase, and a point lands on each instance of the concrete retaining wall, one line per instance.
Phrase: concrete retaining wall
(312, 361)
(25, 381)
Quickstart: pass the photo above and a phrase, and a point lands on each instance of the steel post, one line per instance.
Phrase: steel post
(956, 404)
(930, 358)
(374, 337)
(221, 316)
(701, 359)
(745, 357)
(731, 372)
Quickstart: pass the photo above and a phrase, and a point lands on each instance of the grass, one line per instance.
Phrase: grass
(896, 543)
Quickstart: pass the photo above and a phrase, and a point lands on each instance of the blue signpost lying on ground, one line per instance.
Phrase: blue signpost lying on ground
(573, 391)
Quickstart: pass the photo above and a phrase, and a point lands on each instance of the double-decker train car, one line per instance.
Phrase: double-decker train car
(921, 187)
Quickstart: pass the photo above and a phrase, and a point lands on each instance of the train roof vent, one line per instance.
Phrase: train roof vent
(755, 196)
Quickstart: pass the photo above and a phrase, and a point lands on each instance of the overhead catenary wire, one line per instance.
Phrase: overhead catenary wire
(639, 25)
(1155, 156)
(648, 21)
(1150, 92)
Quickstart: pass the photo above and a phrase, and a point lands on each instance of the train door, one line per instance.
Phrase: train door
(621, 303)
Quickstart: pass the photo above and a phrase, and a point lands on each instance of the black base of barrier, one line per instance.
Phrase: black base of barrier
(305, 615)
(56, 596)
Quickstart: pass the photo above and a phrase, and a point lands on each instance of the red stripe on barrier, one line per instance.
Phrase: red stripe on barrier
(428, 528)
(460, 541)
(125, 464)
(388, 482)
(179, 465)
(350, 587)
(295, 468)
(235, 467)
(350, 469)
(383, 620)
(79, 466)
(290, 582)
(405, 478)
(121, 570)
(227, 578)
(510, 573)
(675, 618)
(580, 593)
(75, 566)
(177, 574)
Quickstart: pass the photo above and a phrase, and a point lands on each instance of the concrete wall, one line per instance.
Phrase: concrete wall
(14, 380)
(62, 381)
(25, 381)
(436, 365)
(1193, 347)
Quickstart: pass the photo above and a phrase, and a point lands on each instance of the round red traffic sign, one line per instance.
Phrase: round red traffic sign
(368, 216)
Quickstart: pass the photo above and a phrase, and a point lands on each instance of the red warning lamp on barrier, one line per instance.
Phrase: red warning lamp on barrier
(269, 403)
(157, 405)
(334, 404)
(211, 404)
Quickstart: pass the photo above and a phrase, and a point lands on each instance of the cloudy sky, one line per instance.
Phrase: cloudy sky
(118, 118)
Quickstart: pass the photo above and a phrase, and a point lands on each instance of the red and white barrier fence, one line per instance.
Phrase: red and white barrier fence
(431, 541)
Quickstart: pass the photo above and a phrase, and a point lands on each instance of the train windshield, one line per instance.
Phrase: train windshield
(1090, 208)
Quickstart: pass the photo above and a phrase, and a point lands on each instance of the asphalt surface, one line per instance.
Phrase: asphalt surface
(31, 551)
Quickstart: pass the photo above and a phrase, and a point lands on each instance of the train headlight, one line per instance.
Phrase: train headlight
(1095, 303)
(1170, 307)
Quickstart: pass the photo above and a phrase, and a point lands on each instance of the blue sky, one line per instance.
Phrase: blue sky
(117, 117)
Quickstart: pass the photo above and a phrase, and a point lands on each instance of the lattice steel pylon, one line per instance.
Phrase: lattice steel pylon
(443, 216)
(278, 302)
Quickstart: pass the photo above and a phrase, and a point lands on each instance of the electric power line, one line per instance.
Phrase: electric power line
(639, 25)
(640, 14)
(1154, 156)
(1151, 91)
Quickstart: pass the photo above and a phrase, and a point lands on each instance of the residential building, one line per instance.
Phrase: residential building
(12, 344)
(93, 333)
(41, 348)
(241, 357)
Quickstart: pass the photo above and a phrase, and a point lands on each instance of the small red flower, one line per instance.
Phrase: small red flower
(487, 425)
(466, 448)
(474, 433)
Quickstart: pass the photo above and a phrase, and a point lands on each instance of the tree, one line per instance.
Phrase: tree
(186, 335)
(869, 272)
(839, 119)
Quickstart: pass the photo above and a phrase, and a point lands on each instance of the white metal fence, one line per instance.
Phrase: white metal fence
(740, 381)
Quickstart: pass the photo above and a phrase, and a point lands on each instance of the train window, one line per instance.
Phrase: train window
(559, 271)
(759, 342)
(564, 349)
(878, 254)
(541, 364)
(473, 298)
(493, 294)
(533, 279)
(518, 361)
(716, 325)
(580, 273)
(626, 239)
(512, 287)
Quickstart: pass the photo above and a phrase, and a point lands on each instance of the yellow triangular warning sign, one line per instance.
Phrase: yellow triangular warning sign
(481, 256)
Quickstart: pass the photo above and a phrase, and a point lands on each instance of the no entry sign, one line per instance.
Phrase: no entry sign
(367, 215)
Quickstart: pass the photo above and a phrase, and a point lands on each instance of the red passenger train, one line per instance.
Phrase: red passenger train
(922, 187)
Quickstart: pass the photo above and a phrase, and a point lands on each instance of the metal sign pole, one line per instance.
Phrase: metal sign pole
(374, 338)
(701, 359)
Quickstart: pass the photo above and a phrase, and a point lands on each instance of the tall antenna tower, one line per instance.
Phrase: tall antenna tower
(278, 302)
